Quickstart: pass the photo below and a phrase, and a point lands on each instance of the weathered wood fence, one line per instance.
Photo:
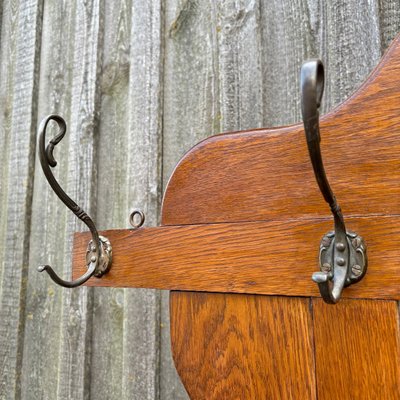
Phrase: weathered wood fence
(139, 83)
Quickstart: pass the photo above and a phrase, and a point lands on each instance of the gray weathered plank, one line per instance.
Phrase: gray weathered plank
(76, 319)
(143, 184)
(389, 21)
(350, 46)
(191, 92)
(7, 64)
(21, 77)
(191, 113)
(239, 66)
(109, 305)
(287, 41)
(44, 298)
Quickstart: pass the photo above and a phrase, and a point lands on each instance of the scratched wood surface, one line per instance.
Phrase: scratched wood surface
(226, 66)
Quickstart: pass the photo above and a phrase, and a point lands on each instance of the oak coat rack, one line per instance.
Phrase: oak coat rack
(242, 217)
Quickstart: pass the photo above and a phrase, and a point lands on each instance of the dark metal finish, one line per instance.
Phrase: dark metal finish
(343, 259)
(99, 253)
(140, 214)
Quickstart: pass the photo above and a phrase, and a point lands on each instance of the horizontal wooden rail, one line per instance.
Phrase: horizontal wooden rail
(272, 258)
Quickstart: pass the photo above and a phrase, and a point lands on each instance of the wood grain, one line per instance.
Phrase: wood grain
(191, 112)
(262, 174)
(109, 306)
(212, 81)
(43, 299)
(142, 189)
(19, 65)
(240, 207)
(255, 257)
(357, 350)
(242, 346)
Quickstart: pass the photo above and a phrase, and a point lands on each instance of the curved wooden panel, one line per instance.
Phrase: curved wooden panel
(242, 346)
(266, 174)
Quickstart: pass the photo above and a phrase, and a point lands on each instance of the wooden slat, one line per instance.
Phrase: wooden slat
(240, 83)
(109, 306)
(43, 298)
(289, 35)
(389, 21)
(76, 318)
(349, 49)
(143, 190)
(191, 112)
(242, 346)
(260, 257)
(20, 44)
(357, 346)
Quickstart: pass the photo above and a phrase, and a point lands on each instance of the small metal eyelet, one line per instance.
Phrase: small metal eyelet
(140, 222)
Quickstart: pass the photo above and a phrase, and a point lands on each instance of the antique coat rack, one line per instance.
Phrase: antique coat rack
(242, 219)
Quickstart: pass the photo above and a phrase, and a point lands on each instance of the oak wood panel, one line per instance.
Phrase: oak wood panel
(266, 174)
(243, 346)
(254, 257)
(357, 347)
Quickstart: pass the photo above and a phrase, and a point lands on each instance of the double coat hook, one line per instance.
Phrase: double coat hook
(99, 252)
(342, 256)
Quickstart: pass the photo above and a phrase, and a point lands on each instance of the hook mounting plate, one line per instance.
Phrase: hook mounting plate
(105, 260)
(357, 256)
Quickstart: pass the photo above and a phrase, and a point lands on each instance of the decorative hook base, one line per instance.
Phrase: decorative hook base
(105, 260)
(352, 259)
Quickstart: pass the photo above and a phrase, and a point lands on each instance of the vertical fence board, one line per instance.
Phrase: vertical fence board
(76, 321)
(389, 21)
(191, 113)
(240, 74)
(143, 190)
(287, 41)
(7, 65)
(44, 298)
(18, 195)
(350, 46)
(108, 304)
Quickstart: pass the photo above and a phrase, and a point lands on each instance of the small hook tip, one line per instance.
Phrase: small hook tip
(321, 277)
(42, 268)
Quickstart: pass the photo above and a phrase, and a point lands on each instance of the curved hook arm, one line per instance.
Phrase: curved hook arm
(97, 250)
(312, 89)
(337, 248)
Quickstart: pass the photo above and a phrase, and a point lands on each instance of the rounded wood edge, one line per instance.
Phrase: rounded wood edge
(186, 165)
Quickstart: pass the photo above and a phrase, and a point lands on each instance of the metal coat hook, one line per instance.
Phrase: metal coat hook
(99, 252)
(342, 256)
